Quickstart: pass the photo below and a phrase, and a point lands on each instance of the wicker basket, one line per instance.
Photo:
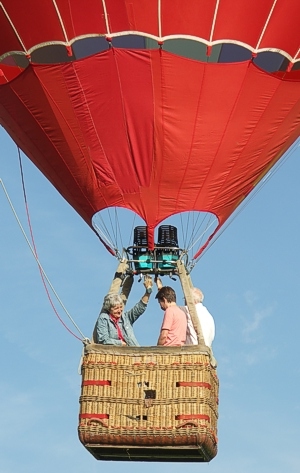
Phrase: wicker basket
(149, 403)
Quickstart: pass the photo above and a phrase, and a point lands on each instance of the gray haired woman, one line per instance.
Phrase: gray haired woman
(114, 327)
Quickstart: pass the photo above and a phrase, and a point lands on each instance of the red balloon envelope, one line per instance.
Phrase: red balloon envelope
(141, 127)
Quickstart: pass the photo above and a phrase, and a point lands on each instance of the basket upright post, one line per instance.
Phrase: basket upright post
(186, 284)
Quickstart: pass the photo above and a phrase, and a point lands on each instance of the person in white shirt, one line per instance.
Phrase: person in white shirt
(205, 318)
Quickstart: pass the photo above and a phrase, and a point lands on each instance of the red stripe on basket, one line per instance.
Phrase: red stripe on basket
(192, 416)
(93, 416)
(97, 382)
(199, 384)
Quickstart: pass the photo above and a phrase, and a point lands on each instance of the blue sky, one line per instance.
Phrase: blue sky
(250, 278)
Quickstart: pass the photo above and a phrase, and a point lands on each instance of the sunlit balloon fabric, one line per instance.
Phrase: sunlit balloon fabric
(142, 127)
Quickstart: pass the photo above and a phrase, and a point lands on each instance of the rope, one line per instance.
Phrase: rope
(103, 236)
(159, 19)
(34, 252)
(266, 24)
(194, 226)
(14, 28)
(106, 17)
(192, 244)
(112, 227)
(132, 230)
(118, 228)
(214, 22)
(111, 230)
(61, 21)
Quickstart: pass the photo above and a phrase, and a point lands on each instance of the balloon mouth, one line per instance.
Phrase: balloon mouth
(123, 232)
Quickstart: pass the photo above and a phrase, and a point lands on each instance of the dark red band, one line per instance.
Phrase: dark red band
(198, 384)
(98, 382)
(192, 416)
(93, 416)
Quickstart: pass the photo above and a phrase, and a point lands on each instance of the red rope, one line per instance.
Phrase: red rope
(36, 254)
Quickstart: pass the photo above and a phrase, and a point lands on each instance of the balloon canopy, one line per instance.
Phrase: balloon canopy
(157, 106)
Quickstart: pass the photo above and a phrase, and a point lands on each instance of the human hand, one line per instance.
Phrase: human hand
(158, 282)
(148, 283)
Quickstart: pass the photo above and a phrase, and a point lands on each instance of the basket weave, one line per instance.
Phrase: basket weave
(135, 397)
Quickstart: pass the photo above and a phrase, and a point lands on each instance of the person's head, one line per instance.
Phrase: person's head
(197, 295)
(166, 296)
(113, 304)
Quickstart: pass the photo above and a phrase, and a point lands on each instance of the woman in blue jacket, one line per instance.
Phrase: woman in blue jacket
(114, 327)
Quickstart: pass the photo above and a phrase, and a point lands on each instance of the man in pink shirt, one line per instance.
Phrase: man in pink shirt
(174, 326)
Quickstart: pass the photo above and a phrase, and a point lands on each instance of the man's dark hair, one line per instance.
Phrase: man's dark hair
(167, 293)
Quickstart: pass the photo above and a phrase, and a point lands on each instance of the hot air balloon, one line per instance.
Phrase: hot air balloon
(160, 107)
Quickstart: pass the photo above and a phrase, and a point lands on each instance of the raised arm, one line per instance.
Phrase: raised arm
(139, 308)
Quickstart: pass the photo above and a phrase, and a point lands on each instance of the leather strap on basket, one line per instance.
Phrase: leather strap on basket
(192, 416)
(187, 424)
(100, 418)
(193, 384)
(190, 419)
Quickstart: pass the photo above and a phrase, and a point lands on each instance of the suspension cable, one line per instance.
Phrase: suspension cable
(102, 229)
(132, 230)
(102, 235)
(118, 228)
(32, 248)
